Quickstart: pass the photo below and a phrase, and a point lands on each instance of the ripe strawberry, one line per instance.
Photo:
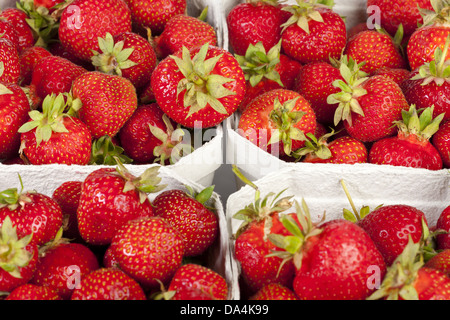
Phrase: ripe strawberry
(394, 13)
(303, 34)
(18, 257)
(14, 108)
(368, 105)
(204, 97)
(324, 270)
(49, 4)
(84, 21)
(398, 75)
(149, 135)
(28, 60)
(9, 62)
(411, 147)
(107, 102)
(432, 34)
(189, 213)
(30, 291)
(8, 31)
(409, 279)
(278, 121)
(149, 250)
(53, 75)
(184, 31)
(67, 195)
(274, 291)
(154, 14)
(62, 265)
(52, 136)
(443, 223)
(57, 49)
(128, 55)
(255, 21)
(344, 149)
(440, 261)
(18, 19)
(108, 284)
(110, 197)
(441, 141)
(376, 49)
(429, 85)
(190, 279)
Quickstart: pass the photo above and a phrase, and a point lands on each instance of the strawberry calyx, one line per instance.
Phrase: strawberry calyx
(105, 152)
(201, 86)
(284, 119)
(58, 240)
(13, 254)
(258, 64)
(304, 11)
(204, 196)
(12, 198)
(113, 58)
(316, 147)
(440, 15)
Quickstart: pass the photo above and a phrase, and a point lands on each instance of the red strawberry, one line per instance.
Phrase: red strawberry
(57, 49)
(62, 265)
(255, 21)
(440, 261)
(107, 102)
(108, 284)
(30, 291)
(67, 195)
(52, 136)
(14, 108)
(443, 223)
(188, 212)
(154, 14)
(9, 62)
(8, 31)
(128, 55)
(49, 4)
(18, 257)
(432, 34)
(149, 250)
(274, 291)
(441, 141)
(28, 60)
(409, 279)
(109, 198)
(277, 121)
(150, 136)
(84, 21)
(18, 19)
(204, 97)
(191, 279)
(398, 75)
(184, 31)
(411, 147)
(314, 32)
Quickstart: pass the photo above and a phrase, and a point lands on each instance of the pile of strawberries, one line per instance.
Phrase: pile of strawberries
(102, 239)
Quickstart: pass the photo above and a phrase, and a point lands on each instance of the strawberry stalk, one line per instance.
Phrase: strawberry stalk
(13, 198)
(104, 151)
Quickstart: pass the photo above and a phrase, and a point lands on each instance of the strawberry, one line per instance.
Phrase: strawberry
(52, 136)
(184, 31)
(112, 196)
(443, 223)
(28, 60)
(201, 98)
(429, 85)
(67, 195)
(277, 121)
(154, 14)
(404, 12)
(9, 62)
(409, 279)
(441, 141)
(188, 212)
(274, 291)
(149, 250)
(18, 19)
(303, 34)
(57, 49)
(30, 291)
(255, 21)
(18, 258)
(324, 270)
(191, 278)
(49, 4)
(368, 105)
(108, 284)
(398, 75)
(61, 266)
(8, 31)
(440, 261)
(344, 149)
(128, 55)
(411, 147)
(149, 135)
(376, 49)
(84, 21)
(14, 108)
(107, 102)
(432, 34)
